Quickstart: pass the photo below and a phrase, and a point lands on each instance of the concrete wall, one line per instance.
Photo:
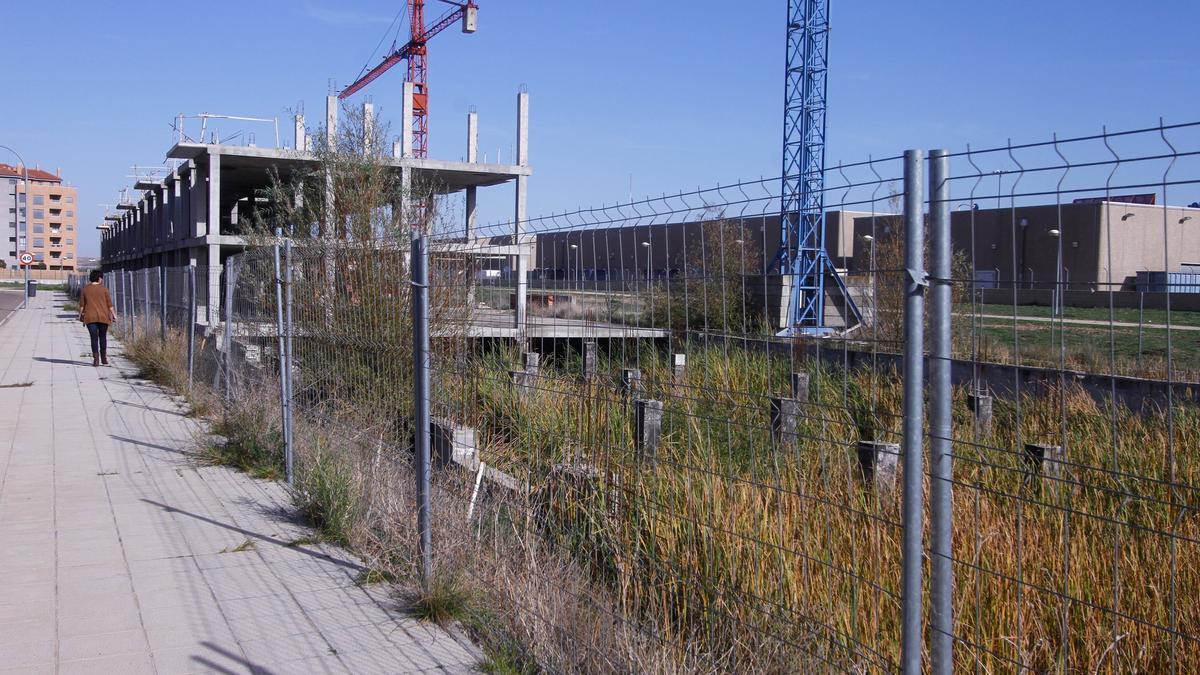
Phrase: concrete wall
(619, 251)
(1017, 245)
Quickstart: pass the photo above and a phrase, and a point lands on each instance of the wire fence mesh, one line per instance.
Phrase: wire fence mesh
(639, 471)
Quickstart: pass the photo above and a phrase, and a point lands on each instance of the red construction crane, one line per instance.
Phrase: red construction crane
(416, 52)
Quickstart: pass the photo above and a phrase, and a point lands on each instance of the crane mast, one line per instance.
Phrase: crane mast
(416, 53)
(802, 251)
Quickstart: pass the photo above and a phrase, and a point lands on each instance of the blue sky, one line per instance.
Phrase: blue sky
(666, 95)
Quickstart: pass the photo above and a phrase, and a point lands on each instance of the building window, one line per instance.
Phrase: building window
(39, 242)
(70, 228)
(22, 196)
(70, 199)
(38, 228)
(38, 200)
(40, 214)
(55, 198)
(70, 214)
(70, 242)
(39, 256)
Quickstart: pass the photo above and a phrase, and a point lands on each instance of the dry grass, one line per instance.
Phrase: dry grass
(776, 558)
(735, 555)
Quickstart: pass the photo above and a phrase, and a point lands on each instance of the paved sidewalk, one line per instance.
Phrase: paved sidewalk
(119, 554)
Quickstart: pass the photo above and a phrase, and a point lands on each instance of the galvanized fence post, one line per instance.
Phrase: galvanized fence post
(287, 324)
(941, 583)
(146, 296)
(285, 418)
(132, 332)
(228, 332)
(421, 416)
(914, 414)
(190, 324)
(162, 303)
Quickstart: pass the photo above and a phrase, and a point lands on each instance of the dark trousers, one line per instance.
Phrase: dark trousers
(99, 334)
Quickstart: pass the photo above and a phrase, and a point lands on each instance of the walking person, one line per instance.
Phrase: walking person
(96, 311)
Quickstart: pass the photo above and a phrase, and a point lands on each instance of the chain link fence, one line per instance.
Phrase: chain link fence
(986, 462)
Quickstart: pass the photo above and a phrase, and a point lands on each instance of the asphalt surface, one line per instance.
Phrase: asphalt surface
(10, 301)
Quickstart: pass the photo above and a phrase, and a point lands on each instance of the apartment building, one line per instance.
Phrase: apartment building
(49, 208)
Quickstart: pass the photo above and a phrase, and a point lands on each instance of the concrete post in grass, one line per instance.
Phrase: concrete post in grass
(784, 412)
(800, 387)
(1044, 462)
(678, 369)
(878, 463)
(521, 381)
(980, 403)
(589, 360)
(631, 381)
(533, 363)
(648, 428)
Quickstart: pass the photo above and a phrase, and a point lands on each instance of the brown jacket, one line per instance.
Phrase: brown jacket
(95, 304)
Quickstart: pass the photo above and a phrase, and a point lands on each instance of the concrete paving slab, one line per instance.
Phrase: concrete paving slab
(123, 555)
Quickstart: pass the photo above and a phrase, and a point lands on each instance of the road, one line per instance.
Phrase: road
(10, 301)
(1085, 322)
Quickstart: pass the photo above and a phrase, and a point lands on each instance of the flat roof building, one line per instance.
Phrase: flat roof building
(49, 211)
(197, 213)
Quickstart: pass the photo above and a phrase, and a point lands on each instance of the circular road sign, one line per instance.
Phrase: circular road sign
(26, 258)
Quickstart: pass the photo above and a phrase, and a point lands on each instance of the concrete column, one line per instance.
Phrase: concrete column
(197, 201)
(331, 121)
(214, 193)
(519, 216)
(139, 214)
(331, 113)
(368, 128)
(472, 157)
(397, 151)
(406, 122)
(300, 137)
(178, 230)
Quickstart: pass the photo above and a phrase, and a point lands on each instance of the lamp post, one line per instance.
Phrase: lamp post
(17, 220)
(1058, 264)
(646, 245)
(578, 272)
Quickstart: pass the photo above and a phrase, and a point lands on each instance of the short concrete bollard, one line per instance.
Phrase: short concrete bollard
(800, 387)
(878, 464)
(1045, 461)
(521, 381)
(678, 369)
(533, 363)
(784, 412)
(981, 404)
(648, 422)
(631, 381)
(589, 360)
(454, 444)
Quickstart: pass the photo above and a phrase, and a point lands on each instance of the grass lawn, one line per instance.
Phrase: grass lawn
(1122, 315)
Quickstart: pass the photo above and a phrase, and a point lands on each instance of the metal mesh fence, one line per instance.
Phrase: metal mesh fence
(641, 466)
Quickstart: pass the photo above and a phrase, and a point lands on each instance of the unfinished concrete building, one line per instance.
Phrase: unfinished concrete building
(196, 214)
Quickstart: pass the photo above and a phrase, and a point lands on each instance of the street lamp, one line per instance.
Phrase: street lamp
(646, 245)
(578, 273)
(17, 218)
(1058, 263)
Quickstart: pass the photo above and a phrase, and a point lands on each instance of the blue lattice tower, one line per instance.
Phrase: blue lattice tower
(802, 202)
